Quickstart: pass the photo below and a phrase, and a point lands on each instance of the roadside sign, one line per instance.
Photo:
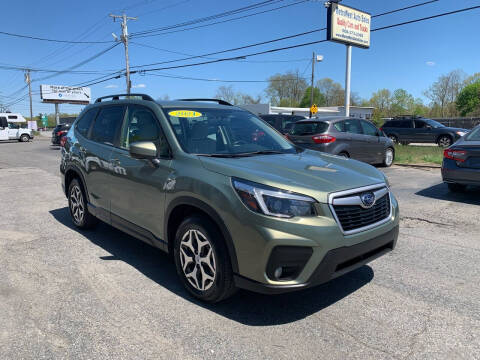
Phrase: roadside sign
(44, 120)
(348, 25)
(58, 94)
(314, 109)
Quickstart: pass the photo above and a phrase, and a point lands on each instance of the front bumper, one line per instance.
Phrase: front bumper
(335, 263)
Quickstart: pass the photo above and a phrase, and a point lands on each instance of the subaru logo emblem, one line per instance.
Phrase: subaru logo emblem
(368, 199)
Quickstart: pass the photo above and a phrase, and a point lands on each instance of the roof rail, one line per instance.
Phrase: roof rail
(117, 97)
(221, 102)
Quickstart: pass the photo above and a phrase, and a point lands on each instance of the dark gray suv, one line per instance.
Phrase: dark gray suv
(349, 137)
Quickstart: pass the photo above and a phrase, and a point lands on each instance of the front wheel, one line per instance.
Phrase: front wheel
(24, 138)
(202, 260)
(444, 141)
(388, 157)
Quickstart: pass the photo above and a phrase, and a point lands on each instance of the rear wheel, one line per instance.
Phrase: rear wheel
(456, 187)
(77, 204)
(344, 154)
(202, 260)
(444, 141)
(388, 157)
(404, 143)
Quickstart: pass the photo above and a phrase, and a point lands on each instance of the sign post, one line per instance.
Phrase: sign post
(351, 27)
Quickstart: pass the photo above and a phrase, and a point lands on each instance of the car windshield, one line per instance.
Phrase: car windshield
(474, 135)
(224, 132)
(309, 128)
(434, 123)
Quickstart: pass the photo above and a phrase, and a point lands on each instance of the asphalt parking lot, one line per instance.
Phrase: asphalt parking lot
(105, 295)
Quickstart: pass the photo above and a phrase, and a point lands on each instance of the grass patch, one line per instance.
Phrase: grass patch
(411, 154)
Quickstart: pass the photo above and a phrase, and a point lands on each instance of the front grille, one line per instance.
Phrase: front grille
(353, 217)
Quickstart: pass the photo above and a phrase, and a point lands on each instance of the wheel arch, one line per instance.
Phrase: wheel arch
(71, 173)
(184, 206)
(452, 138)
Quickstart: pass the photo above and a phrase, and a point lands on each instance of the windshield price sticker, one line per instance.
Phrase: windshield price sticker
(185, 113)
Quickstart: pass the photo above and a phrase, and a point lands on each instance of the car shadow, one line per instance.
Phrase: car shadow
(470, 196)
(244, 307)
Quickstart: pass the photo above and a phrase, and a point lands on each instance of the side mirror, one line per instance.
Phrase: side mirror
(143, 150)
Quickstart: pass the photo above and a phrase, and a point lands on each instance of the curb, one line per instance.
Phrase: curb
(420, 166)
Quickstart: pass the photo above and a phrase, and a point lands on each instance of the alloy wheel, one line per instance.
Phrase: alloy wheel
(197, 259)
(77, 206)
(388, 157)
(444, 141)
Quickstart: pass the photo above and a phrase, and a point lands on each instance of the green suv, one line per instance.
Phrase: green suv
(234, 203)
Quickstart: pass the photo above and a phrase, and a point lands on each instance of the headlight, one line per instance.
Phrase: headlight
(460, 133)
(272, 201)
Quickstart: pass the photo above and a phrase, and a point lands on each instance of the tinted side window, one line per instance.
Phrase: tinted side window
(391, 124)
(405, 124)
(419, 124)
(340, 126)
(84, 123)
(353, 126)
(140, 125)
(12, 116)
(369, 129)
(107, 123)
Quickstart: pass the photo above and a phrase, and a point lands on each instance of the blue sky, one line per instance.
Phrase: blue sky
(409, 57)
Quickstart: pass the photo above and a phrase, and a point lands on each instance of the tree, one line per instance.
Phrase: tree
(445, 90)
(468, 101)
(472, 79)
(402, 103)
(318, 97)
(227, 93)
(286, 89)
(381, 101)
(333, 92)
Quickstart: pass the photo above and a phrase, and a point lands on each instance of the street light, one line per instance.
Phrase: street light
(317, 58)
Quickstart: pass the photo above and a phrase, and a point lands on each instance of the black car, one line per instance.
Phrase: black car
(58, 132)
(345, 136)
(461, 162)
(282, 123)
(421, 130)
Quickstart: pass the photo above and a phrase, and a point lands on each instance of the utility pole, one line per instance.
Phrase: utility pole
(347, 80)
(124, 39)
(28, 80)
(311, 87)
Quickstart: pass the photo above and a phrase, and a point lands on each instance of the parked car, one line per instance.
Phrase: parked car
(348, 137)
(13, 131)
(232, 201)
(58, 132)
(461, 162)
(282, 123)
(421, 130)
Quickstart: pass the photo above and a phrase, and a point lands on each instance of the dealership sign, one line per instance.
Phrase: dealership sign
(349, 26)
(65, 94)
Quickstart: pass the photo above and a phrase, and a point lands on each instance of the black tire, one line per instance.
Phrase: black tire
(393, 138)
(24, 138)
(222, 285)
(344, 154)
(444, 141)
(404, 143)
(387, 160)
(456, 187)
(81, 218)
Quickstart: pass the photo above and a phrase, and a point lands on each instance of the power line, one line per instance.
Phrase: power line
(52, 40)
(277, 39)
(208, 18)
(303, 44)
(222, 80)
(221, 22)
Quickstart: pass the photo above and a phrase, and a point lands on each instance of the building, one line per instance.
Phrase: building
(362, 112)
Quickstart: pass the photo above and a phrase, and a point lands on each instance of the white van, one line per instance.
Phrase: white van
(11, 130)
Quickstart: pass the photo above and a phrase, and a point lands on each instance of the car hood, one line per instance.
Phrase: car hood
(309, 172)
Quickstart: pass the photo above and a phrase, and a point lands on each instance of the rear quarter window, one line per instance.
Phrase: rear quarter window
(309, 128)
(474, 135)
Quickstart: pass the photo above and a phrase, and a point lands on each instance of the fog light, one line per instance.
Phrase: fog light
(278, 272)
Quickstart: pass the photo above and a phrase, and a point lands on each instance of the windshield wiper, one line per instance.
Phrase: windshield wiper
(261, 152)
(219, 155)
